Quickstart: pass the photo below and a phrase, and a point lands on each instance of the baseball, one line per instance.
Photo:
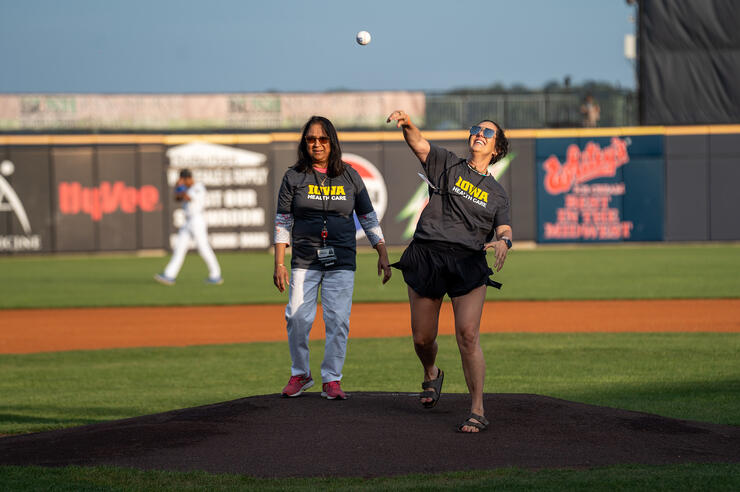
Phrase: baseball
(363, 37)
(7, 168)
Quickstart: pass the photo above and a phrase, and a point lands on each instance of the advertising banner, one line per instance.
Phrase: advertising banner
(24, 202)
(100, 203)
(238, 200)
(600, 189)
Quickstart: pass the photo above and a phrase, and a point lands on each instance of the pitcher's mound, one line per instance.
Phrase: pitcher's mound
(377, 434)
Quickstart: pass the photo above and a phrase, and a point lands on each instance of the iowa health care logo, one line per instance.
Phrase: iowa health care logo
(412, 211)
(9, 202)
(374, 183)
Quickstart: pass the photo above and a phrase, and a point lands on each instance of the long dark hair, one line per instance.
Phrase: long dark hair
(502, 143)
(304, 164)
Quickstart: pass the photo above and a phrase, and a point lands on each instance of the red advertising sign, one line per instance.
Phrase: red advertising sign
(106, 199)
(590, 196)
(581, 167)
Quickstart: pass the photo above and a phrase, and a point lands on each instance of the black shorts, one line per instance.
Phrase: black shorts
(435, 268)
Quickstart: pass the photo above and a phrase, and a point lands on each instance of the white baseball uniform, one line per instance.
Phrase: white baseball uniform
(195, 227)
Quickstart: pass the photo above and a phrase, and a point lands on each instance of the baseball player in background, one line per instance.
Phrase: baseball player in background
(193, 198)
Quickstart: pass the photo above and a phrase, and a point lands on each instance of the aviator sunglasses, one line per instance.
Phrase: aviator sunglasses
(487, 132)
(322, 140)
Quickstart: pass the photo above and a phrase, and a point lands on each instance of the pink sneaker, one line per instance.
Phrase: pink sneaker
(297, 385)
(332, 391)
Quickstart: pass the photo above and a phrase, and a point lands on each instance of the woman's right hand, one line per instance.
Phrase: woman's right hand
(280, 277)
(400, 117)
(411, 134)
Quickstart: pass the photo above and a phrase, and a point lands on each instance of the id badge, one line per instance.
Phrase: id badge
(326, 256)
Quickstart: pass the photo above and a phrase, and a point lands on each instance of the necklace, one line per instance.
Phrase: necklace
(473, 168)
(324, 174)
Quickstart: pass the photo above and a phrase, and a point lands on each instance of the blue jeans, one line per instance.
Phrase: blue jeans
(336, 301)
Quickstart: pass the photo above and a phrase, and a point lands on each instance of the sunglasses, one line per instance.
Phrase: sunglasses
(487, 132)
(321, 140)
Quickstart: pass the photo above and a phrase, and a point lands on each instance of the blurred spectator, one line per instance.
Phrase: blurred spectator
(591, 112)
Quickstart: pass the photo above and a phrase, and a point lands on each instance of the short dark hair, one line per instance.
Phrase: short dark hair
(502, 143)
(185, 173)
(304, 164)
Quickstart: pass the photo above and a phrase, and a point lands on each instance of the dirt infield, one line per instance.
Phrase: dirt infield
(46, 330)
(377, 434)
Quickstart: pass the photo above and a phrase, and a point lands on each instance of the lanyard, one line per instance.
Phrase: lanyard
(324, 206)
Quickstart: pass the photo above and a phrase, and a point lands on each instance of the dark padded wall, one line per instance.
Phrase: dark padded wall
(115, 229)
(701, 201)
(523, 181)
(153, 225)
(687, 188)
(31, 183)
(75, 229)
(724, 176)
(689, 63)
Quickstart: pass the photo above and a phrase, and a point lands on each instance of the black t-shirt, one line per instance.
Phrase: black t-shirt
(304, 196)
(465, 208)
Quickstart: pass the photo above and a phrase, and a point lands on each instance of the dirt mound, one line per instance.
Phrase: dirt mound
(377, 434)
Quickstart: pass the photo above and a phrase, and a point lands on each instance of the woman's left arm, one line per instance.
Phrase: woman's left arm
(384, 266)
(368, 219)
(374, 233)
(500, 246)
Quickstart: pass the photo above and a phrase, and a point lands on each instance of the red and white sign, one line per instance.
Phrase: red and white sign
(374, 183)
(106, 199)
(583, 166)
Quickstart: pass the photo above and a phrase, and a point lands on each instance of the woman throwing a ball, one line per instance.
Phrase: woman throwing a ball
(467, 215)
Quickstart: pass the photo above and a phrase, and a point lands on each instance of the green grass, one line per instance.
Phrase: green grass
(711, 477)
(689, 376)
(604, 272)
(692, 376)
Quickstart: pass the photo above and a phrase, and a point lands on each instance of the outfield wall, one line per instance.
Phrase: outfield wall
(87, 193)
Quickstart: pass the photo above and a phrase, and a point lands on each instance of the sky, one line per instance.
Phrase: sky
(216, 46)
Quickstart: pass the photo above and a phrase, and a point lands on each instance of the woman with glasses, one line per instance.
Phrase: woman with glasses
(467, 215)
(315, 215)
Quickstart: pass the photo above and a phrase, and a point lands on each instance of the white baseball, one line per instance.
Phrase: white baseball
(7, 168)
(363, 37)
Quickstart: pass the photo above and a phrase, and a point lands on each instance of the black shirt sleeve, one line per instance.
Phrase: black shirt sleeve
(285, 196)
(436, 162)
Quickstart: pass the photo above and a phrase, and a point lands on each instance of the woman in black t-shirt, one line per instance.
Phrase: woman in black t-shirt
(467, 214)
(315, 213)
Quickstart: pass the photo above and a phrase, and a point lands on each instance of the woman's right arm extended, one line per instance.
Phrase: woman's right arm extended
(411, 133)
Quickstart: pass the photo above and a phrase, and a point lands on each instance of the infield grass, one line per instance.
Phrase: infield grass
(710, 477)
(692, 376)
(598, 272)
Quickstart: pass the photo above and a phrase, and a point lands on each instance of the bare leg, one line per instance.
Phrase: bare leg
(424, 325)
(468, 310)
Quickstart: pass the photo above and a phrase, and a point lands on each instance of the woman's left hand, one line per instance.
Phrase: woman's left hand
(384, 266)
(500, 250)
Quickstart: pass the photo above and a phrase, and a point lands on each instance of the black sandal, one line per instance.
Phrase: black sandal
(481, 424)
(434, 395)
